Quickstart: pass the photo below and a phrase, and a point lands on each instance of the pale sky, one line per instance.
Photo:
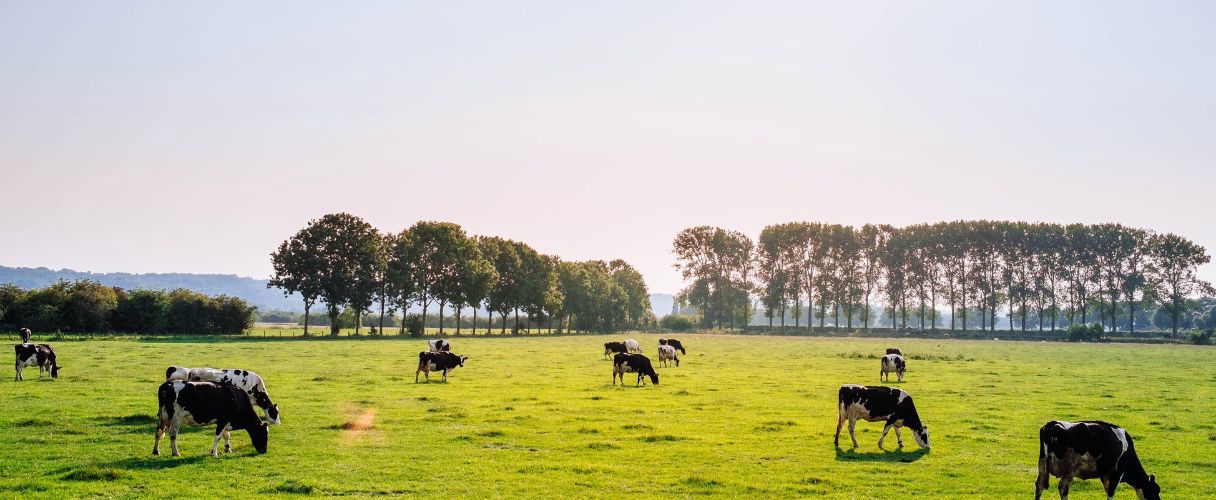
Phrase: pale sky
(195, 136)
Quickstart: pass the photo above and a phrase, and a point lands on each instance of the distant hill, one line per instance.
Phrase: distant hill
(252, 290)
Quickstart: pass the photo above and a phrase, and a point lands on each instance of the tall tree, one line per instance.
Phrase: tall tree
(299, 266)
(1174, 262)
(339, 261)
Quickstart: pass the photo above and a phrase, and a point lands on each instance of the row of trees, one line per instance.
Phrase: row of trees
(1035, 272)
(346, 264)
(88, 306)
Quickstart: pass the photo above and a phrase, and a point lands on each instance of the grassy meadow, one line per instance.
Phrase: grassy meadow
(539, 417)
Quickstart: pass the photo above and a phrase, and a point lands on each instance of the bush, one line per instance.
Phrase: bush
(676, 323)
(1203, 337)
(1086, 333)
(414, 325)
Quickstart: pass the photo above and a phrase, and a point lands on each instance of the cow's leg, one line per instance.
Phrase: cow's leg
(885, 428)
(445, 374)
(160, 431)
(1065, 482)
(416, 372)
(1109, 483)
(852, 434)
(839, 424)
(220, 424)
(173, 428)
(227, 441)
(899, 439)
(901, 376)
(1043, 481)
(18, 378)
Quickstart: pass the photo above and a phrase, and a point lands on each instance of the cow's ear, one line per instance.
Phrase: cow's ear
(1152, 478)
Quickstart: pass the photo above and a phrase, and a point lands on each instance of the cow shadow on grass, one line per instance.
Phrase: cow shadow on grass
(152, 462)
(133, 424)
(897, 455)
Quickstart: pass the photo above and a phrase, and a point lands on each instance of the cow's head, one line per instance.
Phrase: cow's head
(1150, 491)
(654, 378)
(259, 436)
(55, 370)
(463, 359)
(263, 401)
(607, 349)
(922, 437)
(176, 373)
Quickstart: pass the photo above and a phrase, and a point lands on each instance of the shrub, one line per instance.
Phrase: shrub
(414, 325)
(676, 323)
(1086, 333)
(1202, 337)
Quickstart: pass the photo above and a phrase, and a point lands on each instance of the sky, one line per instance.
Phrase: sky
(196, 136)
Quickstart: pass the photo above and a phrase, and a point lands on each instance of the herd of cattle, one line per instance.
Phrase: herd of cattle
(228, 398)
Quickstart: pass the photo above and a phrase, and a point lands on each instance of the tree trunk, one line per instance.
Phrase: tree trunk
(358, 321)
(425, 303)
(381, 330)
(457, 321)
(307, 306)
(474, 327)
(333, 320)
(515, 329)
(502, 315)
(442, 304)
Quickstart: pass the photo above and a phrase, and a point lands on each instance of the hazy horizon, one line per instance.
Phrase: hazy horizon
(177, 137)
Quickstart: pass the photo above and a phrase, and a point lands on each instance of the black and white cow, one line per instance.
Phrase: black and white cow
(1087, 450)
(438, 361)
(633, 345)
(201, 403)
(614, 347)
(892, 363)
(247, 381)
(674, 343)
(39, 354)
(440, 345)
(668, 353)
(893, 350)
(633, 363)
(25, 335)
(872, 404)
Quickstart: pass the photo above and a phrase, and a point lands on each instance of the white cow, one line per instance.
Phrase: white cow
(247, 381)
(633, 345)
(668, 353)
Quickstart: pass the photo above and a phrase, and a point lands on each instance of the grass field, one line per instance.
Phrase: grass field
(538, 417)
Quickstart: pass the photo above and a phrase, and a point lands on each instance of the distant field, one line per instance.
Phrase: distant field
(538, 416)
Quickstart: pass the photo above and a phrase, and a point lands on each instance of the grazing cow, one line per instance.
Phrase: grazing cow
(633, 363)
(25, 335)
(614, 347)
(247, 381)
(41, 355)
(893, 350)
(440, 345)
(880, 403)
(633, 345)
(892, 363)
(438, 361)
(674, 343)
(200, 403)
(1087, 450)
(668, 353)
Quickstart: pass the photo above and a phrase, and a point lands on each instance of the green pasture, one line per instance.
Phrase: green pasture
(538, 417)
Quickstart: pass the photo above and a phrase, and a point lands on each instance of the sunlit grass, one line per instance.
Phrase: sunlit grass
(538, 416)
